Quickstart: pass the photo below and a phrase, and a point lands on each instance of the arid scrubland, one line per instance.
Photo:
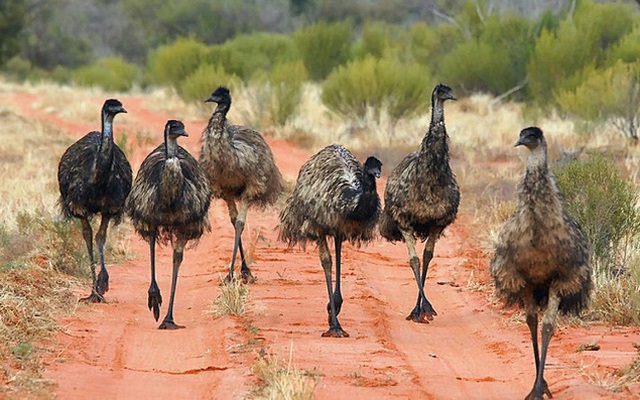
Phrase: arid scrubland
(43, 256)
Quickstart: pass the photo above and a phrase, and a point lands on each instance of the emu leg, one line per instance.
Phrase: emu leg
(532, 323)
(87, 234)
(335, 330)
(233, 214)
(337, 295)
(416, 314)
(102, 282)
(426, 310)
(167, 322)
(154, 300)
(247, 276)
(540, 387)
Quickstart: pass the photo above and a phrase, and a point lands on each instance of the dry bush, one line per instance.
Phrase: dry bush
(280, 381)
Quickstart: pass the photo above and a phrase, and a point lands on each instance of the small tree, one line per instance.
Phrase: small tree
(323, 47)
(611, 94)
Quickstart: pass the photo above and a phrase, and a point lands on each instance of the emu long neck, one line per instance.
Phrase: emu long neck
(538, 187)
(218, 121)
(537, 159)
(105, 152)
(435, 144)
(170, 147)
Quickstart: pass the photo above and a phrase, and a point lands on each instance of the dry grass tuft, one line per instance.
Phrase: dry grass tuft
(615, 381)
(282, 382)
(232, 299)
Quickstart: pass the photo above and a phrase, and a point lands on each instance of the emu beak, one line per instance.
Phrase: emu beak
(377, 172)
(209, 100)
(122, 110)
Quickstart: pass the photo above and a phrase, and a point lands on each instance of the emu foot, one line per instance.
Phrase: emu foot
(335, 332)
(170, 325)
(94, 297)
(421, 316)
(154, 301)
(247, 276)
(102, 282)
(537, 393)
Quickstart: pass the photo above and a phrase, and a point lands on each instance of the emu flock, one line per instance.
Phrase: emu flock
(541, 261)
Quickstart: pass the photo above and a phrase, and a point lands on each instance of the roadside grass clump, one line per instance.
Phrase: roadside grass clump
(616, 381)
(33, 295)
(281, 380)
(604, 204)
(232, 299)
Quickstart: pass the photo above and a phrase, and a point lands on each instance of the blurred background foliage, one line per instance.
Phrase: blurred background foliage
(579, 57)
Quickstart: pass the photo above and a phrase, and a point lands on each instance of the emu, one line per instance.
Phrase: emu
(334, 196)
(541, 260)
(94, 177)
(169, 203)
(421, 199)
(240, 167)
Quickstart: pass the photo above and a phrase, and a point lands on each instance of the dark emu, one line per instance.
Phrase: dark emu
(94, 177)
(169, 203)
(240, 167)
(541, 260)
(421, 199)
(334, 196)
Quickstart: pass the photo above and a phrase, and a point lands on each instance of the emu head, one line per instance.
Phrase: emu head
(221, 96)
(112, 107)
(174, 129)
(373, 166)
(530, 137)
(442, 92)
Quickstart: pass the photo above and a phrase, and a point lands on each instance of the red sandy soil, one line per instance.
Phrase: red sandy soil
(472, 350)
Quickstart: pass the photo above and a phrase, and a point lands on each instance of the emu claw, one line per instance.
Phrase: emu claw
(247, 276)
(336, 333)
(102, 282)
(539, 394)
(170, 325)
(154, 301)
(94, 297)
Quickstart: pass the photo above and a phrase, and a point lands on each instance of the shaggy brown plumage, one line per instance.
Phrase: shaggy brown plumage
(240, 167)
(94, 177)
(169, 203)
(541, 260)
(421, 198)
(334, 196)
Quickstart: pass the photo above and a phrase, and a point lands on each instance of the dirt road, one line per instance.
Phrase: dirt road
(472, 350)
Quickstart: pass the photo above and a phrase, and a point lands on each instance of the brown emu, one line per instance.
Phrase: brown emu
(421, 199)
(541, 260)
(334, 196)
(169, 203)
(94, 177)
(240, 166)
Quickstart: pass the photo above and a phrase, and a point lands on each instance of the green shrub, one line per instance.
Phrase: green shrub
(627, 49)
(285, 83)
(478, 67)
(561, 56)
(196, 87)
(611, 94)
(604, 204)
(171, 64)
(245, 55)
(401, 89)
(111, 74)
(323, 47)
(428, 45)
(18, 69)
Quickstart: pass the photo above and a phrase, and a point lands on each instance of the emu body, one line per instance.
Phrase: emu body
(541, 261)
(334, 196)
(169, 204)
(240, 168)
(94, 177)
(421, 199)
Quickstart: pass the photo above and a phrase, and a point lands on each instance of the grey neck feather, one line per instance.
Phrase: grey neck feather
(170, 147)
(537, 159)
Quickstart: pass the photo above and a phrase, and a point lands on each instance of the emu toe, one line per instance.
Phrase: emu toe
(102, 282)
(247, 276)
(537, 393)
(335, 332)
(94, 297)
(170, 325)
(154, 301)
